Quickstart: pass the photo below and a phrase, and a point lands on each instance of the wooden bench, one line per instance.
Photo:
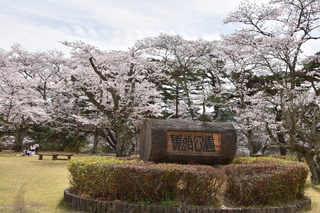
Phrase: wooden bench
(55, 156)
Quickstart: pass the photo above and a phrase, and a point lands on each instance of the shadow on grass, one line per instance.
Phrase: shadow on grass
(316, 188)
(62, 205)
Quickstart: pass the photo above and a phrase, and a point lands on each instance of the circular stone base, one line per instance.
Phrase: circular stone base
(82, 204)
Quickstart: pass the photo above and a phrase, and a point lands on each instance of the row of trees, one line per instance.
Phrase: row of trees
(259, 75)
(286, 100)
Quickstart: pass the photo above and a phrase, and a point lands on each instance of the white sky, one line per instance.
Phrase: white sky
(109, 24)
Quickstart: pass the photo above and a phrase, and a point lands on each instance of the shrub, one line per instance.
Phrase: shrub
(288, 157)
(249, 160)
(85, 172)
(264, 181)
(248, 182)
(135, 181)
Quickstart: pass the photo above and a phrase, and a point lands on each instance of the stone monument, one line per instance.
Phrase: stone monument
(188, 142)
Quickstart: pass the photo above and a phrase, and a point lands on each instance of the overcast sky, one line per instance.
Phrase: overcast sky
(109, 24)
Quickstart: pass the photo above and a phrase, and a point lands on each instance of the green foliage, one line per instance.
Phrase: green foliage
(248, 160)
(112, 179)
(264, 181)
(288, 157)
(249, 181)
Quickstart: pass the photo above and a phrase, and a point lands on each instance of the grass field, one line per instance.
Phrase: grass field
(314, 193)
(28, 185)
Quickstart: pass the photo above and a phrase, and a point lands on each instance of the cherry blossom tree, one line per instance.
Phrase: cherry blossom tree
(190, 73)
(242, 93)
(116, 84)
(275, 34)
(20, 104)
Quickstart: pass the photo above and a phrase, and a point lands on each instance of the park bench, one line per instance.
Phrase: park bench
(55, 155)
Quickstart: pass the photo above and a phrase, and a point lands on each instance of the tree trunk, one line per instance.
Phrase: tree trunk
(124, 142)
(280, 136)
(281, 140)
(18, 140)
(252, 146)
(313, 169)
(95, 142)
(77, 140)
(78, 144)
(177, 101)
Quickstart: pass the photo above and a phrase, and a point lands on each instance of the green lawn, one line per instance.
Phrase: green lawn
(29, 185)
(314, 193)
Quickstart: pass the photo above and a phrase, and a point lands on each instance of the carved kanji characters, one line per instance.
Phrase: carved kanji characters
(176, 142)
(198, 143)
(208, 144)
(187, 144)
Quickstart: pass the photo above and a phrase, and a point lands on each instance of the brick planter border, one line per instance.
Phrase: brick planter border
(82, 204)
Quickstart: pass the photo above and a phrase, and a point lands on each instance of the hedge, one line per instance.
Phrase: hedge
(249, 182)
(148, 182)
(275, 159)
(264, 181)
